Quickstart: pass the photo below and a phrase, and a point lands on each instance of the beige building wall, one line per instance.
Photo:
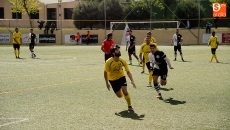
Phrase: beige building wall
(24, 22)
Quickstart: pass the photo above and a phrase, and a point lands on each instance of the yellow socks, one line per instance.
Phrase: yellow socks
(143, 66)
(15, 52)
(150, 76)
(128, 100)
(216, 58)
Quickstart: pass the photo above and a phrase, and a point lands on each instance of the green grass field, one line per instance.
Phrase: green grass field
(64, 89)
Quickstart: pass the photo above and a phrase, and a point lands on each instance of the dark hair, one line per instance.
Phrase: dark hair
(152, 45)
(113, 48)
(109, 35)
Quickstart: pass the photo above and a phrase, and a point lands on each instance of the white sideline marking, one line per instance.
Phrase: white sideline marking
(14, 122)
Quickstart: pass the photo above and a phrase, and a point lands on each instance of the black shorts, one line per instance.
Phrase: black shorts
(178, 47)
(31, 46)
(16, 46)
(132, 51)
(117, 84)
(213, 50)
(161, 73)
(107, 56)
(148, 66)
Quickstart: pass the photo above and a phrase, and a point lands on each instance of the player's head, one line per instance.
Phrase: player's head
(16, 29)
(148, 38)
(177, 31)
(153, 48)
(31, 30)
(130, 31)
(115, 51)
(110, 36)
(213, 33)
(149, 33)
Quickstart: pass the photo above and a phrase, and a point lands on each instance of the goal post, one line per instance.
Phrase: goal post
(112, 23)
(142, 24)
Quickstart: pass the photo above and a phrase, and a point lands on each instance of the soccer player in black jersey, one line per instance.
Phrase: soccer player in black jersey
(159, 62)
(130, 45)
(32, 40)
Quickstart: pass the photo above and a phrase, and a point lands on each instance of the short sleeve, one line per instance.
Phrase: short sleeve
(162, 54)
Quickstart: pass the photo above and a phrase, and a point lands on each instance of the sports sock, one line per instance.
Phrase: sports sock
(215, 57)
(15, 52)
(181, 55)
(143, 66)
(212, 57)
(150, 76)
(128, 100)
(157, 87)
(175, 55)
(130, 61)
(18, 53)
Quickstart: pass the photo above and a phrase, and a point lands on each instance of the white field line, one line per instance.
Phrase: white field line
(14, 122)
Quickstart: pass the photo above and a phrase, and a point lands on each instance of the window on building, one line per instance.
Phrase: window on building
(1, 13)
(68, 13)
(15, 15)
(35, 15)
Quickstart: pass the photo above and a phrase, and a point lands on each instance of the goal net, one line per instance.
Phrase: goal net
(145, 25)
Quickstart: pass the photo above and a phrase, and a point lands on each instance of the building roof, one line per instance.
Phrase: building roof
(53, 1)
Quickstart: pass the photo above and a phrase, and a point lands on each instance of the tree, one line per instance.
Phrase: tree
(86, 14)
(189, 7)
(25, 7)
(92, 13)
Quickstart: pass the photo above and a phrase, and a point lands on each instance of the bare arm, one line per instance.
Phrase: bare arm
(131, 78)
(106, 80)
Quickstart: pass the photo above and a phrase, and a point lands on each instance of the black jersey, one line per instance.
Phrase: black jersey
(160, 59)
(131, 40)
(32, 38)
(179, 36)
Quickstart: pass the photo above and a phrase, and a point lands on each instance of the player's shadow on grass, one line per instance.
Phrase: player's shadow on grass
(185, 61)
(223, 63)
(166, 89)
(174, 102)
(130, 114)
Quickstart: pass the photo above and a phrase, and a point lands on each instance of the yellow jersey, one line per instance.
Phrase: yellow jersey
(17, 37)
(152, 40)
(114, 69)
(213, 41)
(145, 49)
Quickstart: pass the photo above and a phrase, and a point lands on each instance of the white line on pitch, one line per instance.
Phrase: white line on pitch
(14, 122)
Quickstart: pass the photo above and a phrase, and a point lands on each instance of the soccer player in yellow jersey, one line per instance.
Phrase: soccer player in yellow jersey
(213, 42)
(152, 40)
(17, 40)
(114, 74)
(145, 49)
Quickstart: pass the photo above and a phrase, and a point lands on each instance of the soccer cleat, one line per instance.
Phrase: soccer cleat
(174, 59)
(16, 57)
(130, 63)
(34, 55)
(149, 85)
(159, 96)
(182, 59)
(130, 108)
(143, 72)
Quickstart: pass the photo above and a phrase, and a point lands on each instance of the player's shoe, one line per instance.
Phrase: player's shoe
(34, 55)
(174, 59)
(182, 59)
(130, 108)
(142, 72)
(16, 57)
(149, 85)
(159, 96)
(130, 63)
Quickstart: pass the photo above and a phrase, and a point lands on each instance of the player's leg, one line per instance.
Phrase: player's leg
(143, 65)
(126, 93)
(175, 52)
(180, 50)
(213, 54)
(18, 50)
(150, 69)
(15, 51)
(164, 74)
(130, 56)
(156, 74)
(31, 47)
